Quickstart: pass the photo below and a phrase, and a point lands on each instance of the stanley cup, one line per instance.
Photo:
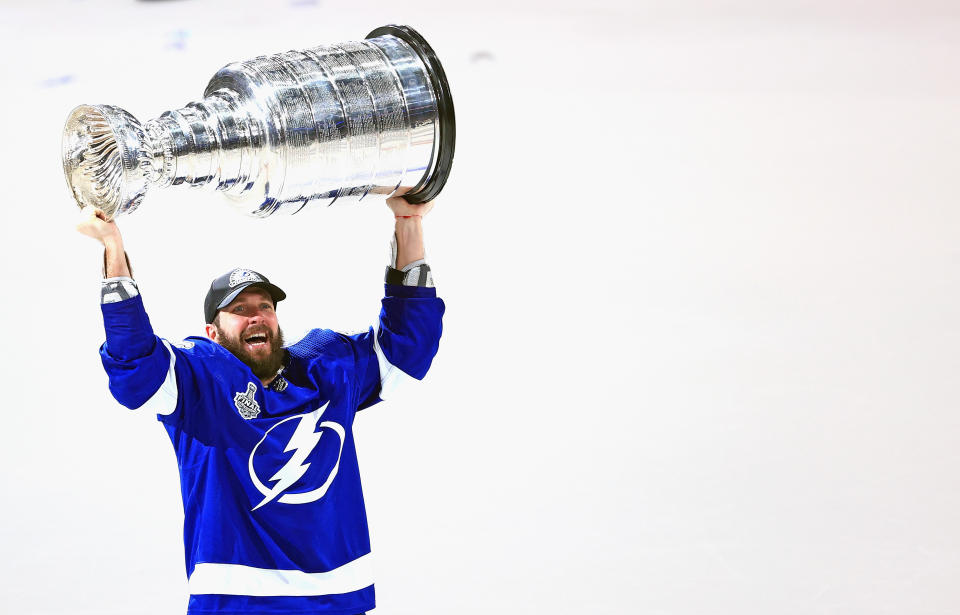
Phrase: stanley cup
(281, 132)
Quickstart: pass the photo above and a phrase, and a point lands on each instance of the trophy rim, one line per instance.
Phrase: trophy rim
(428, 188)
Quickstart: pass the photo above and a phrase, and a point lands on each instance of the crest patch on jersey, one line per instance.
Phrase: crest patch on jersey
(239, 276)
(292, 484)
(245, 402)
(185, 344)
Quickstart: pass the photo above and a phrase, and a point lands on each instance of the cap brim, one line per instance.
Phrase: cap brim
(275, 293)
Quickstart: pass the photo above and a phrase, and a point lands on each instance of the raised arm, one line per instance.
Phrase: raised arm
(140, 365)
(407, 335)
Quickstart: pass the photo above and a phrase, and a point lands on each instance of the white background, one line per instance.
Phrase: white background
(701, 345)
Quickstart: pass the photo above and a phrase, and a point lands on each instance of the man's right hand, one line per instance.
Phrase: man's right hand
(115, 262)
(97, 226)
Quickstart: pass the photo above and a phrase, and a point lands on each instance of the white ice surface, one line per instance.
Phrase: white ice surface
(721, 376)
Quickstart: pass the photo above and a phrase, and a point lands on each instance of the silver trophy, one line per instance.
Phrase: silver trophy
(277, 133)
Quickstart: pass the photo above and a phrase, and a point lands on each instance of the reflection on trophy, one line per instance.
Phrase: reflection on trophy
(277, 133)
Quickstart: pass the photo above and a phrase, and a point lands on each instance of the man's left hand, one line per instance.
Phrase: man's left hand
(401, 207)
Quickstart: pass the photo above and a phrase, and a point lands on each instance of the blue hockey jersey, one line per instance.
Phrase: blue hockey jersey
(274, 520)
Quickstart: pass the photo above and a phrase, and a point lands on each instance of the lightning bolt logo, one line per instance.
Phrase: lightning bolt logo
(303, 442)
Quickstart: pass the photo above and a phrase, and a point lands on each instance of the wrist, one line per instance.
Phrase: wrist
(112, 243)
(408, 226)
(408, 221)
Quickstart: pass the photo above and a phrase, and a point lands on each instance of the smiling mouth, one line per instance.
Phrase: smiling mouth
(256, 341)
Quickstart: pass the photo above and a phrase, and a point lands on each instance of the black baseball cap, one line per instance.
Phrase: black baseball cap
(225, 289)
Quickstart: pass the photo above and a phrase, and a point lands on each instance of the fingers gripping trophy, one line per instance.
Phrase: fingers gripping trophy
(279, 133)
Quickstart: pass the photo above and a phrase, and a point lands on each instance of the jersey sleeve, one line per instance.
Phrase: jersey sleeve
(402, 345)
(141, 367)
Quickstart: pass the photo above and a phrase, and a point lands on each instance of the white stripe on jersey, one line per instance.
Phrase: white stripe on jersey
(237, 580)
(164, 401)
(391, 376)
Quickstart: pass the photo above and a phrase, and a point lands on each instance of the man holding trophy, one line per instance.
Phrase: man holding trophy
(274, 519)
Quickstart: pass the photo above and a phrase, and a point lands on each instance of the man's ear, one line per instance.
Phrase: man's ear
(212, 332)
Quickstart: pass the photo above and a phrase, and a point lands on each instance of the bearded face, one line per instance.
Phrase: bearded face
(248, 328)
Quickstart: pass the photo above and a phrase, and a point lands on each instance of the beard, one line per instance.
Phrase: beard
(263, 364)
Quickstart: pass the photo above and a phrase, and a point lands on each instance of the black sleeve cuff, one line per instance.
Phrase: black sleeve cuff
(417, 275)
